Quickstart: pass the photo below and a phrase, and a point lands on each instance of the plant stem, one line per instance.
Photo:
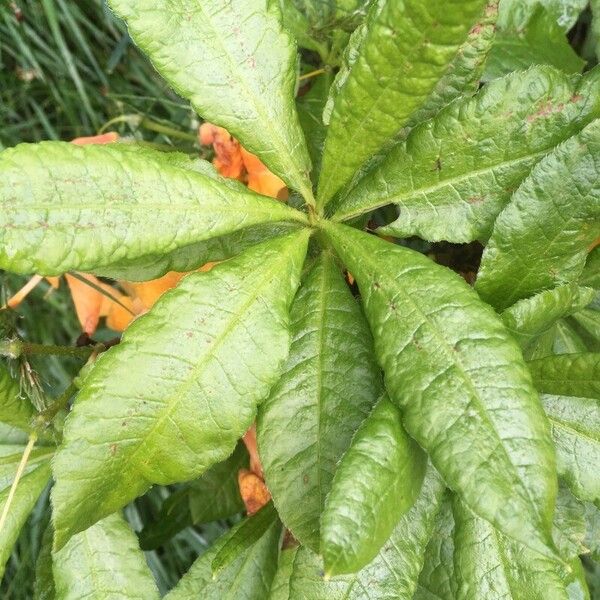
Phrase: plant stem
(33, 436)
(16, 348)
(43, 420)
(312, 74)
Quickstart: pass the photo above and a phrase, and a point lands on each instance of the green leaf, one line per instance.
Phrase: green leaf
(65, 207)
(43, 585)
(103, 562)
(454, 174)
(576, 433)
(391, 575)
(490, 565)
(592, 529)
(237, 66)
(532, 317)
(595, 6)
(248, 577)
(329, 385)
(568, 374)
(464, 73)
(310, 111)
(458, 377)
(569, 524)
(591, 273)
(437, 580)
(587, 323)
(567, 340)
(15, 408)
(529, 34)
(246, 535)
(392, 64)
(181, 388)
(543, 236)
(35, 478)
(376, 482)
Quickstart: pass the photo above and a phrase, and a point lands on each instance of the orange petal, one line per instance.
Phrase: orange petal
(148, 292)
(261, 180)
(228, 159)
(104, 138)
(23, 292)
(54, 282)
(250, 441)
(253, 491)
(87, 300)
(117, 318)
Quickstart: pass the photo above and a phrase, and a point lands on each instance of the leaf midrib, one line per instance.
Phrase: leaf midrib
(400, 198)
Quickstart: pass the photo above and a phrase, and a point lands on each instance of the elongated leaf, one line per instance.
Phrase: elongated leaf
(567, 340)
(576, 433)
(248, 577)
(15, 408)
(465, 393)
(310, 111)
(237, 66)
(587, 322)
(568, 374)
(330, 383)
(34, 480)
(377, 481)
(543, 236)
(437, 580)
(43, 585)
(454, 174)
(391, 575)
(246, 535)
(529, 34)
(489, 565)
(181, 388)
(66, 207)
(392, 64)
(463, 75)
(531, 317)
(103, 562)
(591, 273)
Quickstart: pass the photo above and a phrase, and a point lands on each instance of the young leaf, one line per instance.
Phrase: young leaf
(437, 579)
(237, 66)
(30, 486)
(248, 577)
(376, 482)
(454, 174)
(329, 385)
(489, 565)
(391, 575)
(101, 562)
(568, 374)
(458, 376)
(66, 207)
(532, 317)
(181, 388)
(392, 64)
(543, 236)
(15, 408)
(576, 433)
(246, 535)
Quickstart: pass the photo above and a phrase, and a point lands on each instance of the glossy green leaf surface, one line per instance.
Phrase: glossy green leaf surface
(392, 63)
(437, 580)
(248, 577)
(15, 408)
(392, 575)
(35, 478)
(66, 207)
(543, 236)
(237, 66)
(463, 75)
(329, 384)
(455, 173)
(530, 33)
(531, 317)
(43, 586)
(576, 433)
(457, 375)
(376, 482)
(103, 562)
(568, 374)
(181, 388)
(489, 565)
